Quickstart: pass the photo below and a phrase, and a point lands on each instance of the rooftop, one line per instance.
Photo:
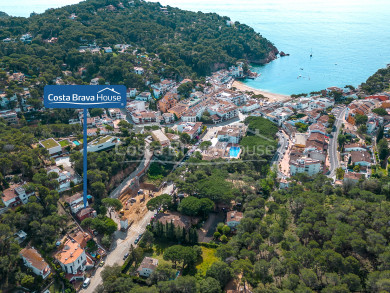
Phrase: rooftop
(49, 143)
(34, 257)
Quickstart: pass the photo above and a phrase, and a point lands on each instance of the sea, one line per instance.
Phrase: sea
(331, 43)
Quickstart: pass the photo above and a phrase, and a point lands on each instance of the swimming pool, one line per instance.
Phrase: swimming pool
(234, 152)
(76, 142)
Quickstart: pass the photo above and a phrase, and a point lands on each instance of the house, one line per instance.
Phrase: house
(144, 96)
(142, 117)
(233, 218)
(73, 259)
(353, 177)
(94, 81)
(76, 202)
(51, 145)
(250, 106)
(102, 143)
(167, 102)
(305, 165)
(9, 116)
(362, 158)
(15, 195)
(84, 213)
(317, 127)
(193, 129)
(64, 177)
(168, 118)
(178, 110)
(178, 220)
(139, 70)
(131, 92)
(354, 147)
(232, 133)
(20, 236)
(33, 260)
(147, 266)
(159, 136)
(26, 38)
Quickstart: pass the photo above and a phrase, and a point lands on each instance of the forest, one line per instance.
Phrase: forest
(186, 43)
(378, 82)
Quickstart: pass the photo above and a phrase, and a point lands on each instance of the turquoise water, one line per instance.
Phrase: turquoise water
(353, 34)
(76, 142)
(234, 151)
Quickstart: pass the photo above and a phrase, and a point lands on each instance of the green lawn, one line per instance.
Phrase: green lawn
(208, 258)
(158, 252)
(64, 143)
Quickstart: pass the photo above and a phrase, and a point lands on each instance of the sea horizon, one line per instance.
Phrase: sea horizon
(348, 40)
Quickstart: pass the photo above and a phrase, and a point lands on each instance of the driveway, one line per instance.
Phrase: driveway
(121, 245)
(125, 183)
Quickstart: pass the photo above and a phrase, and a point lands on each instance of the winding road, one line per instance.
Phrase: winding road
(332, 151)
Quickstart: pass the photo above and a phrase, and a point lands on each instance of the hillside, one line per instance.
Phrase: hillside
(186, 42)
(378, 82)
(3, 14)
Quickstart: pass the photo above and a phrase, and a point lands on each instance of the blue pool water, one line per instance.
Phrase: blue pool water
(76, 142)
(234, 151)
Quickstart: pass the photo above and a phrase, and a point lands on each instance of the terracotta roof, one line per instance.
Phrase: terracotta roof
(82, 237)
(234, 216)
(34, 257)
(359, 156)
(71, 251)
(148, 263)
(74, 197)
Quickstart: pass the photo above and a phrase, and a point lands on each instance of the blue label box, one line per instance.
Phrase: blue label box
(85, 96)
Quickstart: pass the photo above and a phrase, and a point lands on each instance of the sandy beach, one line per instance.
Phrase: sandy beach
(271, 96)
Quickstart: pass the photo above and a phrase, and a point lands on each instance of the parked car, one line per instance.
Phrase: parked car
(125, 256)
(86, 282)
(101, 263)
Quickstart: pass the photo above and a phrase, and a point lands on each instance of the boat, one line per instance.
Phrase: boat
(311, 53)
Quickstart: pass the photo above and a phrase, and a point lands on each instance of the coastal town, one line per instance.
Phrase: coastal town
(318, 133)
(184, 181)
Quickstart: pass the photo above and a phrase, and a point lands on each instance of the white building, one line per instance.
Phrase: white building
(102, 143)
(147, 266)
(131, 92)
(76, 202)
(15, 195)
(72, 257)
(33, 260)
(159, 136)
(139, 70)
(232, 133)
(144, 96)
(51, 145)
(305, 165)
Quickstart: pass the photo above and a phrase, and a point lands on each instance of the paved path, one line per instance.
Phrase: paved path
(283, 142)
(121, 245)
(332, 152)
(125, 183)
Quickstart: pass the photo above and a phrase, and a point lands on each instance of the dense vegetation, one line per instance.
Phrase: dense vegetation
(186, 42)
(378, 82)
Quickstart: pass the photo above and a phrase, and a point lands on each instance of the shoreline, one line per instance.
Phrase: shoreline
(272, 97)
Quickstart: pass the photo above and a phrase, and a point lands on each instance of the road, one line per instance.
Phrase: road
(121, 245)
(125, 183)
(283, 142)
(332, 151)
